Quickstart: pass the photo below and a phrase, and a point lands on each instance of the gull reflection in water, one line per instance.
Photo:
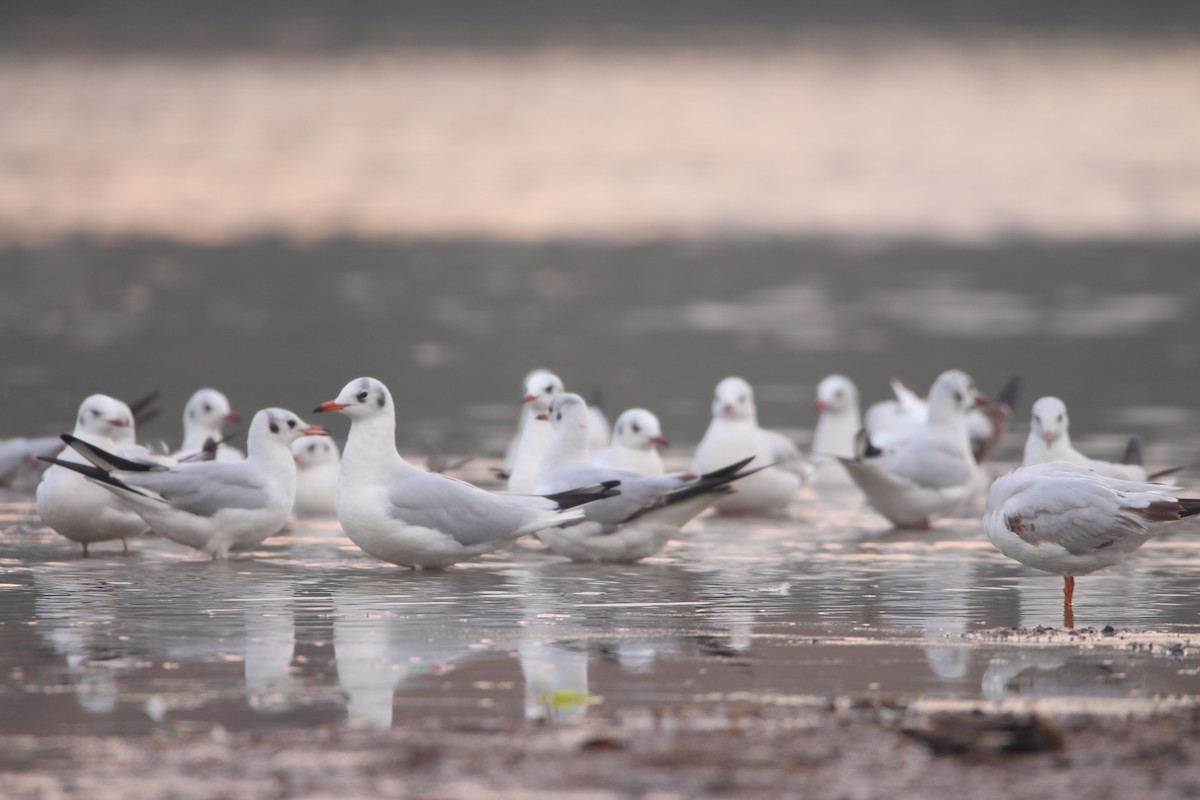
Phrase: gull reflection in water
(77, 616)
(396, 628)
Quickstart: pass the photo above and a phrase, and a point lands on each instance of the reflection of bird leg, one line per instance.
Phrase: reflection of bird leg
(124, 545)
(85, 549)
(1068, 597)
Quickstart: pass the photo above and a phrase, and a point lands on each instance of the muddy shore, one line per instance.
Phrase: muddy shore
(844, 750)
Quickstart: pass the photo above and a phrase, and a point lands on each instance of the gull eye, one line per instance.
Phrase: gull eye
(312, 448)
(636, 428)
(838, 393)
(558, 416)
(958, 397)
(550, 389)
(362, 397)
(1060, 417)
(274, 428)
(291, 423)
(95, 412)
(207, 408)
(742, 399)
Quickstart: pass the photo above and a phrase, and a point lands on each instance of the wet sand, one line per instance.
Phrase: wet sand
(741, 751)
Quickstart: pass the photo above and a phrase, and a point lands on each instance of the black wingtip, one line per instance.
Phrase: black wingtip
(1008, 395)
(1189, 506)
(1133, 452)
(103, 458)
(728, 471)
(584, 494)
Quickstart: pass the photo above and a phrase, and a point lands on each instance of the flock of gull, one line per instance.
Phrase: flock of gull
(590, 494)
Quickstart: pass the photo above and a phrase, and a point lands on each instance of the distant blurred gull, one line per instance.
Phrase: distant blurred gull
(533, 431)
(77, 508)
(837, 425)
(635, 441)
(1050, 440)
(204, 417)
(317, 459)
(733, 434)
(932, 472)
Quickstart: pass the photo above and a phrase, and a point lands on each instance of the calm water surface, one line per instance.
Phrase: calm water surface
(821, 604)
(824, 603)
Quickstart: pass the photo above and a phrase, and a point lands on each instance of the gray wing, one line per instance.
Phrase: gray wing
(1082, 514)
(466, 513)
(931, 461)
(205, 488)
(782, 452)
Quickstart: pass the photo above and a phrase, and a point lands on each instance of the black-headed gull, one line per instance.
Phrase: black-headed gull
(211, 506)
(733, 435)
(404, 515)
(837, 426)
(534, 431)
(1068, 520)
(635, 441)
(317, 459)
(648, 512)
(204, 416)
(932, 473)
(1050, 440)
(889, 423)
(77, 508)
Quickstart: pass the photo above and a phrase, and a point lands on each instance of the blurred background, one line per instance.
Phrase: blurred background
(275, 197)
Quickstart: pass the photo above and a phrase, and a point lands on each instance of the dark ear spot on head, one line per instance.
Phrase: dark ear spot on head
(379, 401)
(274, 428)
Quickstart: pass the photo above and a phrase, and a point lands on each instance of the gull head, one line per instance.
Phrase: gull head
(361, 398)
(568, 411)
(208, 409)
(734, 399)
(953, 394)
(101, 415)
(836, 394)
(638, 429)
(1049, 420)
(278, 425)
(314, 451)
(541, 386)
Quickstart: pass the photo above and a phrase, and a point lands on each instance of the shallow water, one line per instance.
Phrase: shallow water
(823, 604)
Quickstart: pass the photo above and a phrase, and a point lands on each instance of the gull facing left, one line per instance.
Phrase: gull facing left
(404, 515)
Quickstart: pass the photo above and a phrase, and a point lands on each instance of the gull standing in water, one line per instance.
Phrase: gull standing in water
(932, 473)
(1068, 520)
(205, 414)
(635, 442)
(648, 512)
(404, 515)
(534, 431)
(1050, 440)
(72, 505)
(317, 461)
(837, 426)
(733, 435)
(211, 506)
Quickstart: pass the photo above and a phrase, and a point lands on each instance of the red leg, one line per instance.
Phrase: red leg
(1068, 598)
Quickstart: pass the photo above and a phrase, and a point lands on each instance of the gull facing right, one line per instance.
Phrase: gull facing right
(932, 473)
(635, 441)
